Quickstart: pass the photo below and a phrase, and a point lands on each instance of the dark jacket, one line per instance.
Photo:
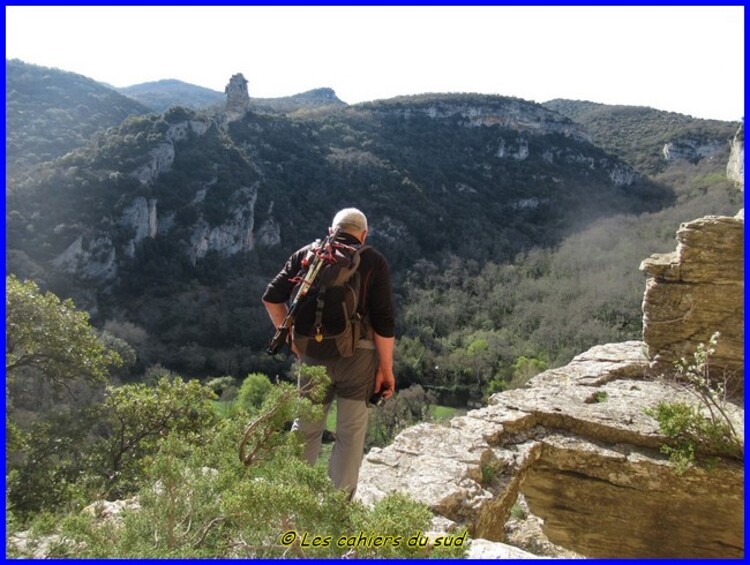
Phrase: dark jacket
(376, 296)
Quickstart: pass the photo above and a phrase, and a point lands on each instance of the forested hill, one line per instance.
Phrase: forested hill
(162, 94)
(513, 237)
(645, 138)
(50, 112)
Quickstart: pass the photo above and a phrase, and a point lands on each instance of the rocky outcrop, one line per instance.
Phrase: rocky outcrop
(692, 149)
(577, 443)
(736, 163)
(517, 149)
(269, 234)
(92, 258)
(512, 113)
(181, 130)
(232, 236)
(160, 161)
(238, 100)
(696, 291)
(161, 157)
(139, 216)
(622, 175)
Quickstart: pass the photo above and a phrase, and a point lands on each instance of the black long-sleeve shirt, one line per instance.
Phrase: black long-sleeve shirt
(376, 296)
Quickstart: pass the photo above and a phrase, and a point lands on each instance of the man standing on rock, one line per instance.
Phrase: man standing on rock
(353, 379)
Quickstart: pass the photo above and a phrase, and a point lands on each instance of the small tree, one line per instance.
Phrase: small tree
(56, 368)
(524, 368)
(284, 403)
(702, 428)
(134, 420)
(51, 337)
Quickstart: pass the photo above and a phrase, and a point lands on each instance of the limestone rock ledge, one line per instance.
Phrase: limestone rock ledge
(578, 445)
(696, 291)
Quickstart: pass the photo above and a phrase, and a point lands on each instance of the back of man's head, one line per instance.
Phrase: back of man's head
(350, 220)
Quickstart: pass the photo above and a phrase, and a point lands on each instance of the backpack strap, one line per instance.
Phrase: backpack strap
(319, 313)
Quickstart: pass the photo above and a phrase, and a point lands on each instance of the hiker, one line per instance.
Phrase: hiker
(354, 378)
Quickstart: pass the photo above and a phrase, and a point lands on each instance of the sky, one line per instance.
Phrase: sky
(686, 59)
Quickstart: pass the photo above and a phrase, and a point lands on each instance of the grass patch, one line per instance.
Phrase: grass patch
(439, 413)
(331, 418)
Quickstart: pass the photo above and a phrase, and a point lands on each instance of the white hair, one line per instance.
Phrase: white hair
(350, 219)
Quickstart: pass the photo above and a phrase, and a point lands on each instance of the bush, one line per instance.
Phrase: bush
(199, 501)
(701, 430)
(254, 390)
(136, 417)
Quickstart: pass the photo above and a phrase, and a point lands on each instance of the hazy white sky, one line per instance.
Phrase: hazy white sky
(687, 59)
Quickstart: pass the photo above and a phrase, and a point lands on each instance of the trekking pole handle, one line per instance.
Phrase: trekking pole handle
(278, 339)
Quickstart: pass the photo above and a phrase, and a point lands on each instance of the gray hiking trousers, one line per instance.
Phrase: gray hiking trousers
(352, 383)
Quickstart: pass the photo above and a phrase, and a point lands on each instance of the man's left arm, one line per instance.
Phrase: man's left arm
(385, 380)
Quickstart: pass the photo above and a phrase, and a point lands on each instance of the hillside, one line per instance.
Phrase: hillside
(510, 234)
(319, 98)
(162, 94)
(50, 112)
(514, 233)
(645, 138)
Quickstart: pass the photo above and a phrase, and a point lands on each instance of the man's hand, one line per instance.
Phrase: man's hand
(385, 382)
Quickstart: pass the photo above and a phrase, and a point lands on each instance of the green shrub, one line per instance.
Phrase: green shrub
(702, 430)
(199, 501)
(254, 390)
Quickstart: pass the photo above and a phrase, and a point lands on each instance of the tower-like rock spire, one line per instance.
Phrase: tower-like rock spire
(238, 100)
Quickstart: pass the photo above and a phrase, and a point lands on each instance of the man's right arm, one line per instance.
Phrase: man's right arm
(279, 290)
(277, 312)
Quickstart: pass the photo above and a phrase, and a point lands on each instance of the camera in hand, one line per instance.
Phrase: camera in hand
(377, 399)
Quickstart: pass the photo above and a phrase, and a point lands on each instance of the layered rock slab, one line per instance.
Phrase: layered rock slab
(695, 291)
(577, 443)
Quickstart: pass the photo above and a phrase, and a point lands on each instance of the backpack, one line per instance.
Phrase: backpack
(328, 323)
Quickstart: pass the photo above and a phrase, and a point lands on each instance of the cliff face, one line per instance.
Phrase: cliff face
(511, 113)
(577, 444)
(736, 163)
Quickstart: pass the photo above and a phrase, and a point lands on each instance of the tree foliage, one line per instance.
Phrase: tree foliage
(51, 337)
(196, 499)
(134, 418)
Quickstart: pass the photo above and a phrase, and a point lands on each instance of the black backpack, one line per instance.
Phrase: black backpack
(328, 321)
